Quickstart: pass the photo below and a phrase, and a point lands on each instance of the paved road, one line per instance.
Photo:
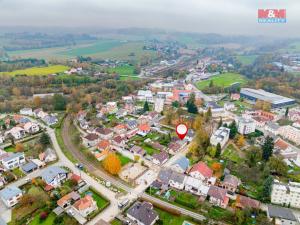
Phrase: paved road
(133, 193)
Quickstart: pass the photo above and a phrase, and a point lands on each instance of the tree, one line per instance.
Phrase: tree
(37, 101)
(253, 155)
(146, 107)
(112, 163)
(59, 102)
(239, 217)
(233, 130)
(240, 141)
(278, 166)
(175, 104)
(216, 167)
(267, 188)
(286, 112)
(211, 84)
(211, 150)
(88, 99)
(268, 148)
(190, 104)
(16, 91)
(220, 122)
(19, 147)
(43, 215)
(45, 139)
(218, 150)
(208, 114)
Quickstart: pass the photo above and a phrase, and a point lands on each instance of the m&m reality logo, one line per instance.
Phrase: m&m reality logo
(272, 16)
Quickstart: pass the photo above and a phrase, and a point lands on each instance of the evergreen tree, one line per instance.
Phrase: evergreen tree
(287, 112)
(175, 104)
(220, 122)
(192, 108)
(146, 107)
(211, 84)
(218, 150)
(59, 102)
(45, 139)
(267, 148)
(233, 130)
(267, 188)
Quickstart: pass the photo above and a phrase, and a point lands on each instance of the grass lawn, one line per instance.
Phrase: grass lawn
(219, 214)
(101, 202)
(149, 149)
(18, 173)
(10, 149)
(170, 219)
(58, 134)
(122, 70)
(116, 222)
(222, 80)
(38, 70)
(231, 154)
(246, 59)
(126, 77)
(48, 221)
(124, 160)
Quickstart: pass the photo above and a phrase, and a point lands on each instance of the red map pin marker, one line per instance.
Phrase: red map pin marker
(181, 130)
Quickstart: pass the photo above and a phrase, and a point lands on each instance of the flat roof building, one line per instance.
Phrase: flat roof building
(275, 100)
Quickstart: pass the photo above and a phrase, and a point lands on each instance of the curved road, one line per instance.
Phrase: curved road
(98, 172)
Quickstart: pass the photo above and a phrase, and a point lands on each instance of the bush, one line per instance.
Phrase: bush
(43, 215)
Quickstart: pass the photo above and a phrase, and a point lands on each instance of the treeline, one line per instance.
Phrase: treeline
(8, 66)
(16, 92)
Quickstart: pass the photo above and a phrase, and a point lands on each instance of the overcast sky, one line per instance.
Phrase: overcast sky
(205, 16)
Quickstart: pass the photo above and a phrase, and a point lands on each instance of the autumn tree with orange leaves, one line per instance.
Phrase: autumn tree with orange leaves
(112, 164)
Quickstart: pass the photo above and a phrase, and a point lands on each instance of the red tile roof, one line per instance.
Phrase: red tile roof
(202, 168)
(84, 203)
(103, 144)
(144, 127)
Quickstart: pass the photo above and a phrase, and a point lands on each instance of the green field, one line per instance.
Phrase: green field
(99, 46)
(223, 80)
(100, 49)
(246, 59)
(38, 71)
(122, 70)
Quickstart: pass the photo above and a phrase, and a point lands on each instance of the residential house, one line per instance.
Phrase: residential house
(296, 124)
(190, 135)
(119, 141)
(229, 106)
(174, 147)
(159, 104)
(282, 216)
(2, 138)
(235, 96)
(181, 165)
(290, 133)
(218, 196)
(145, 96)
(67, 200)
(120, 129)
(142, 213)
(244, 202)
(272, 127)
(104, 133)
(11, 195)
(137, 150)
(2, 182)
(230, 183)
(132, 124)
(90, 140)
(286, 194)
(13, 160)
(39, 113)
(121, 113)
(286, 150)
(29, 167)
(85, 206)
(103, 145)
(31, 127)
(245, 126)
(50, 120)
(172, 178)
(101, 155)
(16, 132)
(48, 155)
(26, 112)
(201, 171)
(158, 146)
(81, 115)
(220, 136)
(112, 107)
(196, 186)
(160, 158)
(144, 129)
(54, 176)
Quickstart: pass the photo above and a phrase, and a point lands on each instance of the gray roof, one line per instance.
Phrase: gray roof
(280, 212)
(165, 175)
(132, 123)
(143, 212)
(273, 126)
(12, 156)
(9, 192)
(162, 156)
(51, 172)
(183, 162)
(28, 167)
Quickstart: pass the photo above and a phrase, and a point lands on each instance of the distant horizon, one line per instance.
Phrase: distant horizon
(226, 17)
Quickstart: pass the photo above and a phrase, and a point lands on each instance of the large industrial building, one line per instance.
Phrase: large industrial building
(276, 101)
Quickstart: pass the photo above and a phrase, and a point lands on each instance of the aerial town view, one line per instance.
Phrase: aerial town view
(161, 112)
